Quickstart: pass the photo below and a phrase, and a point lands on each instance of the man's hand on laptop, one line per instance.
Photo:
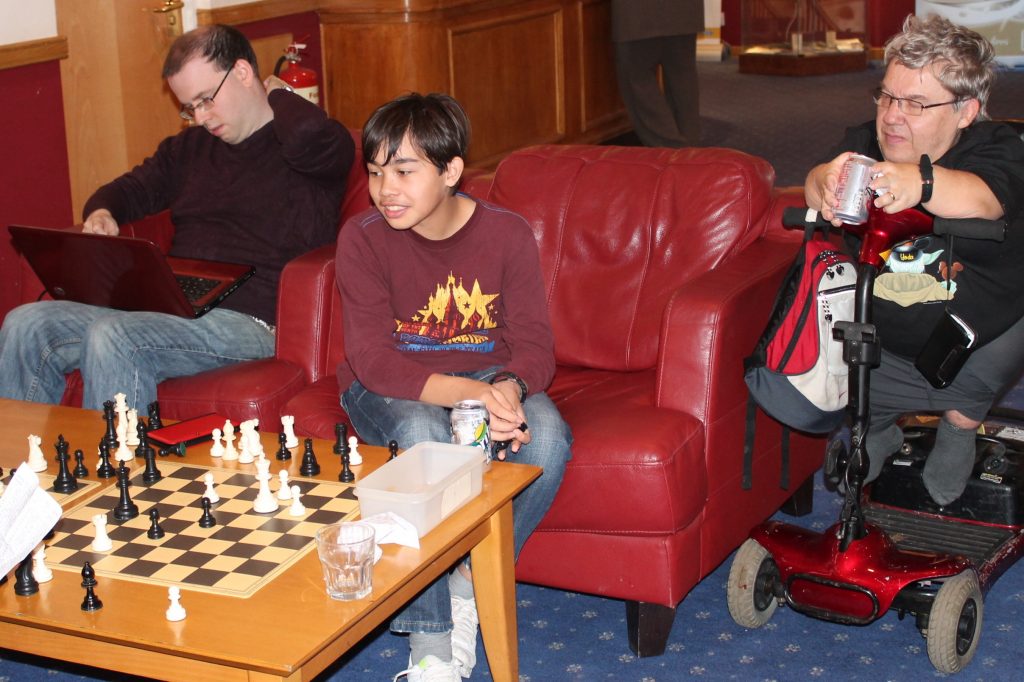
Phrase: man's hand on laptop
(101, 221)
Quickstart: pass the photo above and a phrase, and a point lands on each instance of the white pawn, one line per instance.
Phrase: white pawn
(175, 611)
(210, 493)
(230, 453)
(291, 440)
(354, 458)
(133, 428)
(102, 541)
(40, 570)
(217, 449)
(297, 508)
(284, 492)
(36, 458)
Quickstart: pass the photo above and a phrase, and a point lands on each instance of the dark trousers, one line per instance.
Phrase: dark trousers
(661, 119)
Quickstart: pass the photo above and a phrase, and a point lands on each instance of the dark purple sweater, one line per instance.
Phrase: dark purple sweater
(262, 202)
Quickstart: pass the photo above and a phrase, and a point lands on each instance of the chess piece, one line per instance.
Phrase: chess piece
(40, 570)
(105, 469)
(217, 449)
(309, 466)
(210, 493)
(91, 601)
(283, 453)
(230, 453)
(175, 611)
(255, 443)
(101, 542)
(153, 410)
(80, 471)
(265, 501)
(133, 428)
(392, 449)
(25, 583)
(121, 410)
(246, 455)
(111, 433)
(122, 469)
(346, 475)
(143, 445)
(151, 474)
(125, 508)
(206, 520)
(36, 458)
(64, 482)
(288, 422)
(284, 492)
(340, 431)
(354, 458)
(297, 508)
(155, 532)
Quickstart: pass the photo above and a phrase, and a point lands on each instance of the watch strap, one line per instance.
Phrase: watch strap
(927, 178)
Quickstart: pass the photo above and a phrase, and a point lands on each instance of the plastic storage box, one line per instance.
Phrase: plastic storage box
(423, 485)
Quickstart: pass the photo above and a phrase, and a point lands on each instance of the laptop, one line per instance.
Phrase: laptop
(125, 273)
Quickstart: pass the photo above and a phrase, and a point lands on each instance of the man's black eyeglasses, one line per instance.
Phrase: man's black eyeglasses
(188, 111)
(910, 107)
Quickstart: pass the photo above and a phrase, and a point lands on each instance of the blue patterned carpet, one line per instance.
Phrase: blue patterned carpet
(567, 636)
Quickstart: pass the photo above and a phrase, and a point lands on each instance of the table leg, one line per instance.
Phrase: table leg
(494, 583)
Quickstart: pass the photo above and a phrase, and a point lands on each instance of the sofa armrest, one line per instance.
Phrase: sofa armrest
(305, 309)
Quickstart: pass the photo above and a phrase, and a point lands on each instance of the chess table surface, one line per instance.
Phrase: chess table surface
(288, 629)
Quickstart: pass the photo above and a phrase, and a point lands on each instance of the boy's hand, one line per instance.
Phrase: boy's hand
(508, 421)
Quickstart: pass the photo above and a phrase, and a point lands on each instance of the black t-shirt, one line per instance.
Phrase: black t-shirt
(987, 285)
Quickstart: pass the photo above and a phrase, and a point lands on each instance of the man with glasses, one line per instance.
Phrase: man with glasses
(257, 179)
(937, 151)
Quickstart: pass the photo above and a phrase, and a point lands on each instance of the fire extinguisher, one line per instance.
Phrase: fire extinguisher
(302, 80)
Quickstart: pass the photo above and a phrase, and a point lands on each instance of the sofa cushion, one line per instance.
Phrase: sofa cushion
(317, 408)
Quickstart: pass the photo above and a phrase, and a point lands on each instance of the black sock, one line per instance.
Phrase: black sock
(949, 463)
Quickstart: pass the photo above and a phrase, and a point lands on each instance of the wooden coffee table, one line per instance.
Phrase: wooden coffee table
(289, 629)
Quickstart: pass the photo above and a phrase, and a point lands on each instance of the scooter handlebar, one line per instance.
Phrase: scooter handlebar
(971, 228)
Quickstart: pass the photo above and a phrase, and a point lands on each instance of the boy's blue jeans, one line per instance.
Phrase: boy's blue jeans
(379, 419)
(117, 351)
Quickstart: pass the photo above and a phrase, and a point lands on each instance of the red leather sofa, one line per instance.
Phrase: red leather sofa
(660, 266)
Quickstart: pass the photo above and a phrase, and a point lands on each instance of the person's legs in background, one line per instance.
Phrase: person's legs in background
(636, 65)
(682, 87)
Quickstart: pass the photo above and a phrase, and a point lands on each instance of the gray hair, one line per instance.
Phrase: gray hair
(964, 60)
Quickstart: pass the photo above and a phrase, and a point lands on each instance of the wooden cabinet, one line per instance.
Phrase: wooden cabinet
(527, 71)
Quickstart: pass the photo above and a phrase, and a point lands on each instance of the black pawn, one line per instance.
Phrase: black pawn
(340, 439)
(80, 471)
(105, 468)
(155, 532)
(25, 583)
(283, 452)
(309, 466)
(392, 449)
(206, 520)
(143, 435)
(151, 474)
(346, 475)
(91, 601)
(125, 509)
(110, 437)
(153, 410)
(64, 482)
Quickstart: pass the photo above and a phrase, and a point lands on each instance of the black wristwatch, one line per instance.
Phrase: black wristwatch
(509, 376)
(927, 179)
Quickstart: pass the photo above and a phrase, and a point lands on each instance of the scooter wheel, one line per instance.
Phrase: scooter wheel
(954, 623)
(751, 588)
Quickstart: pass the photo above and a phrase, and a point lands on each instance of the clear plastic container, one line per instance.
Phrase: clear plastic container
(423, 485)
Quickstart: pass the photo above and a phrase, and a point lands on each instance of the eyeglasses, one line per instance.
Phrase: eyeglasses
(188, 111)
(910, 107)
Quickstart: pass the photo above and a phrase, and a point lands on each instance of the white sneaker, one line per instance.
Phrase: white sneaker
(465, 622)
(430, 669)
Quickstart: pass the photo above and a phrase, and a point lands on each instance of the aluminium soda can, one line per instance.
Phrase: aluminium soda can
(471, 426)
(853, 192)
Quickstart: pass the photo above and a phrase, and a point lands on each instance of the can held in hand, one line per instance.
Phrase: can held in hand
(471, 426)
(853, 192)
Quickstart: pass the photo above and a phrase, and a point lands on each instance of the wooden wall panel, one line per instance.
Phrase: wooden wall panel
(602, 112)
(503, 92)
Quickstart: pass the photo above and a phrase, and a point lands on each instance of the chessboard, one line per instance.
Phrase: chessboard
(46, 483)
(243, 552)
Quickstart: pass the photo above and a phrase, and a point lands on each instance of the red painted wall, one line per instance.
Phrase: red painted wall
(35, 186)
(884, 19)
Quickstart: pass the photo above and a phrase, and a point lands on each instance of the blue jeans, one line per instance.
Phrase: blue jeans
(379, 419)
(117, 351)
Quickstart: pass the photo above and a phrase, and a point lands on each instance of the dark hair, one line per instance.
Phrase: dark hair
(437, 125)
(222, 45)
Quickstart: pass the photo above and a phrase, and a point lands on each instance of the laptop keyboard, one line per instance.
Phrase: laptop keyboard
(196, 287)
